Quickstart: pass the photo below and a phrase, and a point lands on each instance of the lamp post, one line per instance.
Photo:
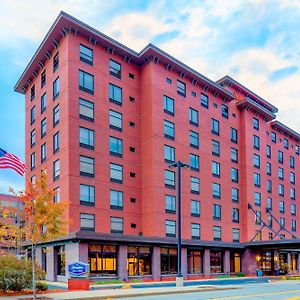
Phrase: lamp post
(179, 165)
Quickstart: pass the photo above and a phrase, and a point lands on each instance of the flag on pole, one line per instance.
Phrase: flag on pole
(10, 161)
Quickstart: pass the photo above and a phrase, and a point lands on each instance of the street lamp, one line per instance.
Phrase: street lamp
(179, 165)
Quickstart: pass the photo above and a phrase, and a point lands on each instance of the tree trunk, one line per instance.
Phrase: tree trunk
(33, 272)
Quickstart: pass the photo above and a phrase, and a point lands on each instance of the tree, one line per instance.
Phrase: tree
(43, 219)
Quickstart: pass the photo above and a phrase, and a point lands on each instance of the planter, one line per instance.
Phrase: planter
(79, 284)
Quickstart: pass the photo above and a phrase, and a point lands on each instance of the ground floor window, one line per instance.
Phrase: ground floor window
(266, 261)
(294, 258)
(194, 258)
(216, 261)
(235, 262)
(139, 261)
(44, 259)
(168, 260)
(60, 259)
(103, 260)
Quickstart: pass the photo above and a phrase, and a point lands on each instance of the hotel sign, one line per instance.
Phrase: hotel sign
(78, 270)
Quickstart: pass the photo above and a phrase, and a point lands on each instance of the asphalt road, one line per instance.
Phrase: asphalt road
(288, 290)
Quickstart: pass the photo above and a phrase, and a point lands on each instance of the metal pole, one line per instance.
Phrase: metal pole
(179, 218)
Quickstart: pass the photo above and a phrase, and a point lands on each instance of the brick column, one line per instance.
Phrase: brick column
(122, 262)
(206, 263)
(227, 262)
(155, 263)
(38, 256)
(51, 270)
(249, 264)
(184, 262)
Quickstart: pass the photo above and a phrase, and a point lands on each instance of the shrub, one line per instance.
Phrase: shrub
(240, 274)
(41, 286)
(16, 274)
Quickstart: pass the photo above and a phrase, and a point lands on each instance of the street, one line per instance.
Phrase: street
(289, 290)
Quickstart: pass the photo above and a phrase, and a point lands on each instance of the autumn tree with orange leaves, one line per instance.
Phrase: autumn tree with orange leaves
(42, 217)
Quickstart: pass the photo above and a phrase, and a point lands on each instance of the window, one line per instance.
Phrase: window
(43, 152)
(43, 127)
(195, 229)
(269, 186)
(204, 100)
(194, 139)
(215, 169)
(281, 189)
(268, 151)
(280, 156)
(292, 177)
(168, 80)
(235, 235)
(116, 199)
(32, 138)
(225, 111)
(115, 120)
(281, 206)
(215, 148)
(194, 116)
(168, 105)
(115, 146)
(234, 155)
(215, 127)
(292, 193)
(139, 261)
(86, 54)
(296, 149)
(235, 215)
(258, 218)
(193, 94)
(217, 233)
(169, 179)
(273, 137)
(216, 190)
(168, 260)
(169, 130)
(234, 175)
(32, 115)
(55, 142)
(43, 78)
(256, 179)
(60, 252)
(87, 222)
(195, 185)
(282, 222)
(170, 228)
(194, 162)
(116, 225)
(256, 142)
(56, 169)
(86, 82)
(257, 199)
(86, 138)
(269, 203)
(55, 115)
(286, 143)
(115, 94)
(255, 123)
(181, 88)
(256, 161)
(169, 153)
(170, 204)
(234, 195)
(86, 110)
(43, 102)
(216, 212)
(55, 88)
(87, 194)
(269, 169)
(56, 196)
(194, 261)
(32, 161)
(55, 62)
(114, 68)
(87, 166)
(116, 173)
(233, 135)
(293, 225)
(32, 92)
(195, 208)
(292, 162)
(280, 173)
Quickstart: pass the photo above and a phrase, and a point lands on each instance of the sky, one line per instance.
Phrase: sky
(254, 41)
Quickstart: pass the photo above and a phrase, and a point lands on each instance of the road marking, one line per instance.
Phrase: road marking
(264, 294)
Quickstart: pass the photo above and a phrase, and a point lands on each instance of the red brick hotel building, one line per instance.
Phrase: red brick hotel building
(106, 122)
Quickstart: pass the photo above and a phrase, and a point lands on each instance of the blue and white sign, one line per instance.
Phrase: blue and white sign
(78, 269)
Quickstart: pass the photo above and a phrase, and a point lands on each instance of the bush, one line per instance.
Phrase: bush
(41, 286)
(240, 274)
(16, 274)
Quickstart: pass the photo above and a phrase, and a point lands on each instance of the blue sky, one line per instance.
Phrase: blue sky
(254, 41)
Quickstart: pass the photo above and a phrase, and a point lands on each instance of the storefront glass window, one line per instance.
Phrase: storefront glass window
(294, 258)
(194, 261)
(216, 262)
(139, 261)
(168, 260)
(61, 260)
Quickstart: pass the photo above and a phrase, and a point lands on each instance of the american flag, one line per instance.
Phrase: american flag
(10, 161)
